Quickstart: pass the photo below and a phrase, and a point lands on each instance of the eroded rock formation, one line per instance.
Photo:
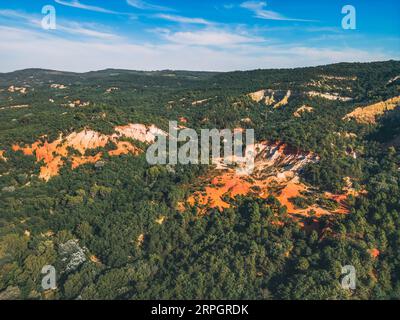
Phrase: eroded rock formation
(302, 109)
(54, 154)
(328, 96)
(276, 172)
(369, 113)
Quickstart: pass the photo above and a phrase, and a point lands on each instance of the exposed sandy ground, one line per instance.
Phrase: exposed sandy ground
(266, 94)
(94, 259)
(140, 240)
(348, 135)
(257, 96)
(180, 206)
(22, 90)
(393, 79)
(109, 90)
(369, 113)
(303, 108)
(374, 253)
(329, 96)
(199, 102)
(58, 86)
(276, 173)
(160, 220)
(21, 106)
(52, 153)
(328, 77)
(140, 132)
(78, 103)
(183, 120)
(284, 101)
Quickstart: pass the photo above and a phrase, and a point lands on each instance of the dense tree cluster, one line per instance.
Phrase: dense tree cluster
(124, 224)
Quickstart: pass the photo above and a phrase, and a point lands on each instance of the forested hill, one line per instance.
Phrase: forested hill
(77, 193)
(41, 76)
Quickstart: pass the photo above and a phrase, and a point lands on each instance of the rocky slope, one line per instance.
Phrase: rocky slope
(56, 153)
(368, 114)
(276, 172)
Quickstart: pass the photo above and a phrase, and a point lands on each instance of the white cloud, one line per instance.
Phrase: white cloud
(258, 7)
(181, 19)
(26, 48)
(79, 5)
(211, 37)
(87, 30)
(91, 30)
(139, 4)
(18, 15)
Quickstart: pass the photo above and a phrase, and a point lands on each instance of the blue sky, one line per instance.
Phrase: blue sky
(217, 35)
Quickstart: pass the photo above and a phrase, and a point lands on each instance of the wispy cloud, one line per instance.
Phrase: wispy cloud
(19, 15)
(181, 19)
(91, 30)
(24, 48)
(143, 5)
(211, 37)
(191, 43)
(86, 30)
(79, 5)
(258, 7)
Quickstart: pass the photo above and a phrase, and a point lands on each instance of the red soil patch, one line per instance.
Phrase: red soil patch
(276, 173)
(180, 207)
(2, 157)
(78, 161)
(374, 253)
(124, 147)
(52, 153)
(231, 185)
(95, 260)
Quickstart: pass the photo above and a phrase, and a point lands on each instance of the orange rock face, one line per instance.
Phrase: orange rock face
(53, 154)
(276, 173)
